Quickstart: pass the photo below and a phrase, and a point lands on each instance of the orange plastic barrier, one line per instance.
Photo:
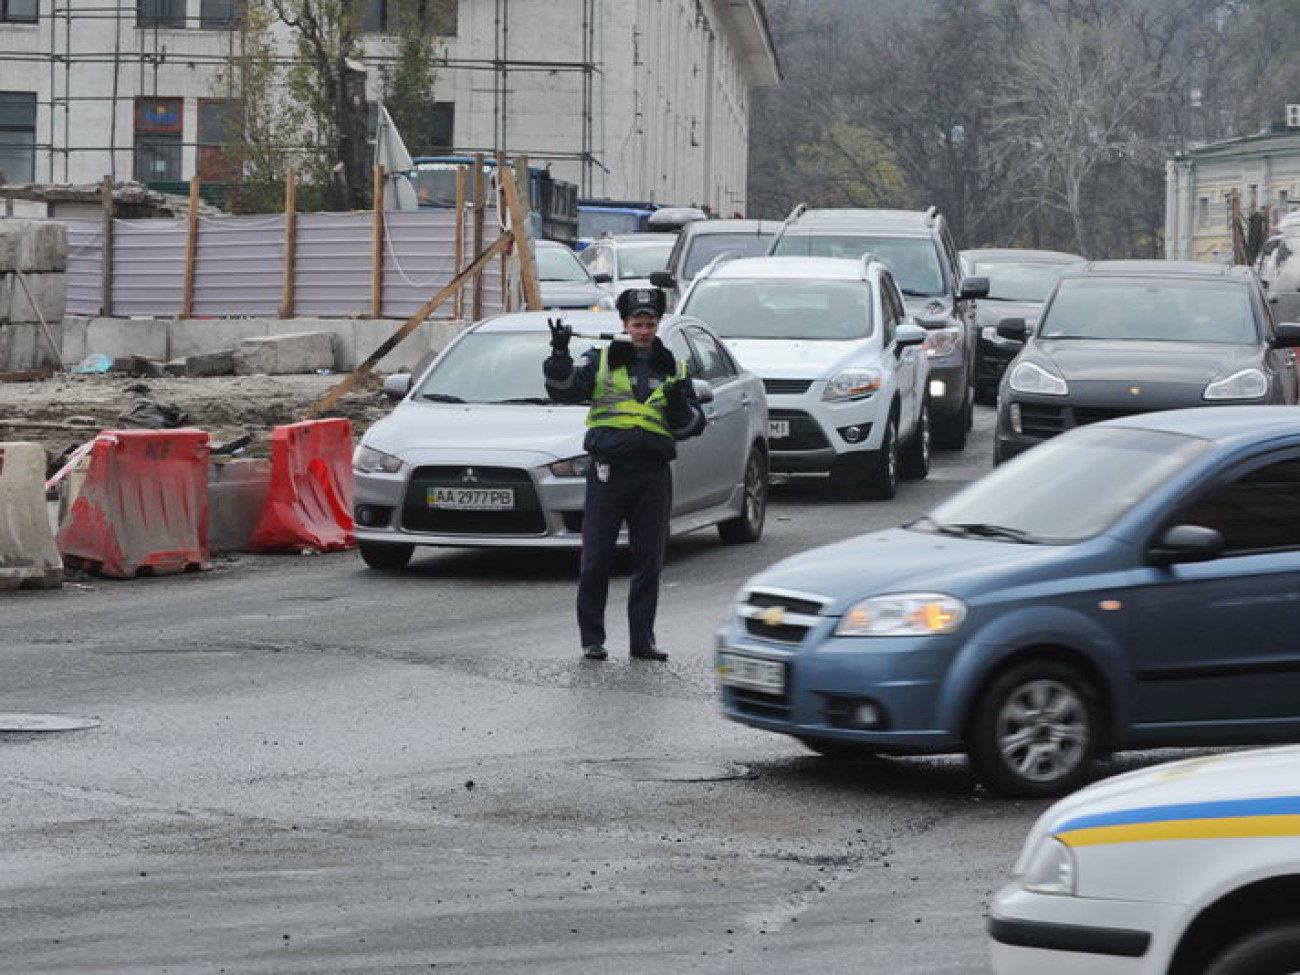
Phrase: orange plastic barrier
(143, 507)
(309, 498)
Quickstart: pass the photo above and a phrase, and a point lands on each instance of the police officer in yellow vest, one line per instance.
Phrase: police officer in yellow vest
(641, 404)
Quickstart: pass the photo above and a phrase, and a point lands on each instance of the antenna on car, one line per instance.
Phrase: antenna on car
(795, 214)
(868, 259)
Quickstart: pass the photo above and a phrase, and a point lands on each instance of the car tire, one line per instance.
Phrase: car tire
(748, 525)
(986, 395)
(915, 455)
(385, 555)
(952, 431)
(880, 480)
(1271, 951)
(1034, 731)
(839, 751)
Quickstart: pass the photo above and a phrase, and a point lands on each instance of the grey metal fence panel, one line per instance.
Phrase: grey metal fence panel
(332, 270)
(239, 267)
(85, 258)
(148, 267)
(420, 259)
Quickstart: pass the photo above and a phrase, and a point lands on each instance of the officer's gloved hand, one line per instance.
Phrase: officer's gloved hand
(560, 335)
(675, 395)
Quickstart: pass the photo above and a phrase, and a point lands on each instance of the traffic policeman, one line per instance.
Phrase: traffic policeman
(642, 403)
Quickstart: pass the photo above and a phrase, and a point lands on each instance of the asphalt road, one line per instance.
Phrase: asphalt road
(302, 765)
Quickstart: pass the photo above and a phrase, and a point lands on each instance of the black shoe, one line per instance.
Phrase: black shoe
(649, 653)
(595, 652)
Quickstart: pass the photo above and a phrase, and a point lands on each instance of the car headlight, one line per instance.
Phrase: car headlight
(1243, 384)
(852, 384)
(942, 341)
(571, 467)
(903, 614)
(1029, 377)
(1051, 869)
(368, 460)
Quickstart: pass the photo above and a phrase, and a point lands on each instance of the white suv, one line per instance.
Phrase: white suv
(842, 364)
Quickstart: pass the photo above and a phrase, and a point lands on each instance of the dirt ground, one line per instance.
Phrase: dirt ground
(64, 411)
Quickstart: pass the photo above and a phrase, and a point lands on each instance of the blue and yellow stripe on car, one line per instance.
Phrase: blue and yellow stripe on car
(1225, 819)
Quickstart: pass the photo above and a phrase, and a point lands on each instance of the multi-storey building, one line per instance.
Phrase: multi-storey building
(632, 99)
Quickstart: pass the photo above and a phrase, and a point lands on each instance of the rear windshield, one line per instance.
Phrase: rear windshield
(762, 309)
(914, 260)
(705, 247)
(1151, 310)
(1010, 281)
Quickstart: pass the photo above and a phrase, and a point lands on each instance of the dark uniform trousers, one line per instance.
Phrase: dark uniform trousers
(638, 495)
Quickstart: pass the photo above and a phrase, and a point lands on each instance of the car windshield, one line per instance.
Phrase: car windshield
(593, 223)
(640, 261)
(560, 264)
(1067, 489)
(1018, 282)
(914, 260)
(739, 308)
(490, 367)
(1150, 309)
(703, 248)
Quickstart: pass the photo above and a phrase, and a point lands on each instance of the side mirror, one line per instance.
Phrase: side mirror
(397, 385)
(909, 335)
(1013, 328)
(604, 277)
(1185, 543)
(663, 279)
(1287, 335)
(973, 287)
(703, 391)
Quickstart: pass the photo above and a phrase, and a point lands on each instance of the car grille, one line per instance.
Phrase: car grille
(780, 617)
(1042, 420)
(786, 387)
(805, 434)
(525, 519)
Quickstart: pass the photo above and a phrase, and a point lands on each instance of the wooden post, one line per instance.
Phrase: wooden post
(191, 250)
(350, 380)
(290, 240)
(480, 209)
(459, 308)
(523, 243)
(106, 245)
(377, 247)
(500, 199)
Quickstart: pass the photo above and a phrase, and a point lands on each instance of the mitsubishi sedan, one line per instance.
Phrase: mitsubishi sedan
(476, 455)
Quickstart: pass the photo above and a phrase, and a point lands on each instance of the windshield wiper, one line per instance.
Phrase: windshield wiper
(441, 398)
(523, 400)
(937, 526)
(984, 530)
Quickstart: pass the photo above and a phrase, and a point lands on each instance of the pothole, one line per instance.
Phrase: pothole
(670, 770)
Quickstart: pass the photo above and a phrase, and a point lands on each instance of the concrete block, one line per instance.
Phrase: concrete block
(237, 491)
(195, 336)
(219, 363)
(72, 338)
(23, 345)
(33, 245)
(44, 298)
(118, 337)
(273, 355)
(28, 555)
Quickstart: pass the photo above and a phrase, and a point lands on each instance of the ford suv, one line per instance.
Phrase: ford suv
(846, 381)
(919, 249)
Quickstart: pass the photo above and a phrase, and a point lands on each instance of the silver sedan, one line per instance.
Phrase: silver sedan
(476, 455)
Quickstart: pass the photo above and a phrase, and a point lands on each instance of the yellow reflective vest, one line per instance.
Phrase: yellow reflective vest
(614, 404)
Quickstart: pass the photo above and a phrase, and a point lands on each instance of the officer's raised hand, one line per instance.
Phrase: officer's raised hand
(560, 335)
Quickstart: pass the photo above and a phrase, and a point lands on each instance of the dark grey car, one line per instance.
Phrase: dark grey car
(1123, 337)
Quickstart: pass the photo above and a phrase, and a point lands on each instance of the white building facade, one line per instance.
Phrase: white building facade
(629, 99)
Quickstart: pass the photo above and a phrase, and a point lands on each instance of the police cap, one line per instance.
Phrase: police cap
(642, 301)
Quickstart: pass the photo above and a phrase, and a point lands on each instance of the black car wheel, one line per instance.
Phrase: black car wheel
(1034, 732)
(915, 455)
(951, 430)
(880, 480)
(1272, 951)
(385, 555)
(748, 525)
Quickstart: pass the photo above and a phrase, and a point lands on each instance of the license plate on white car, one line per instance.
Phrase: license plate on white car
(471, 499)
(776, 429)
(754, 673)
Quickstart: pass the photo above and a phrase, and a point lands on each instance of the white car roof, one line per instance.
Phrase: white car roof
(834, 268)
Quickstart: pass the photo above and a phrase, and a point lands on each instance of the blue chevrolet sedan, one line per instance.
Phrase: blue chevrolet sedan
(1130, 584)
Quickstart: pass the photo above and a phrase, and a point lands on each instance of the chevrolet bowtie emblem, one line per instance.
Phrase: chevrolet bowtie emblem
(773, 615)
(1135, 390)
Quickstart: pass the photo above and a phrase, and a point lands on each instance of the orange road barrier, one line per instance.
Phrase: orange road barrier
(29, 558)
(309, 498)
(143, 507)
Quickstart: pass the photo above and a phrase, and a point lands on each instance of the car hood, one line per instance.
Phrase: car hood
(897, 560)
(794, 358)
(568, 294)
(1084, 360)
(423, 433)
(1255, 774)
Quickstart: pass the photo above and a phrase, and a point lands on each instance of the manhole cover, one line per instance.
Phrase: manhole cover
(670, 770)
(45, 722)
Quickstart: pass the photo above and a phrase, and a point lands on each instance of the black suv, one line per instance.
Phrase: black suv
(919, 248)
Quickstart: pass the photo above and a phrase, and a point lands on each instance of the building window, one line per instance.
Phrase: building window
(19, 11)
(160, 13)
(374, 17)
(436, 16)
(442, 128)
(1203, 211)
(18, 135)
(159, 123)
(219, 14)
(216, 130)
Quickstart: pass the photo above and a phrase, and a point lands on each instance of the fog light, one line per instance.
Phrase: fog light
(938, 388)
(371, 515)
(1013, 414)
(852, 434)
(866, 715)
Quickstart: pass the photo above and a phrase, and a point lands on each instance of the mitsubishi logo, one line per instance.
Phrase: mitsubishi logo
(469, 477)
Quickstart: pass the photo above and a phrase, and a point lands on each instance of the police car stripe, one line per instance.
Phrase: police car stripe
(1238, 818)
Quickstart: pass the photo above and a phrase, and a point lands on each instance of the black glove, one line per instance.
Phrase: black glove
(560, 335)
(675, 395)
